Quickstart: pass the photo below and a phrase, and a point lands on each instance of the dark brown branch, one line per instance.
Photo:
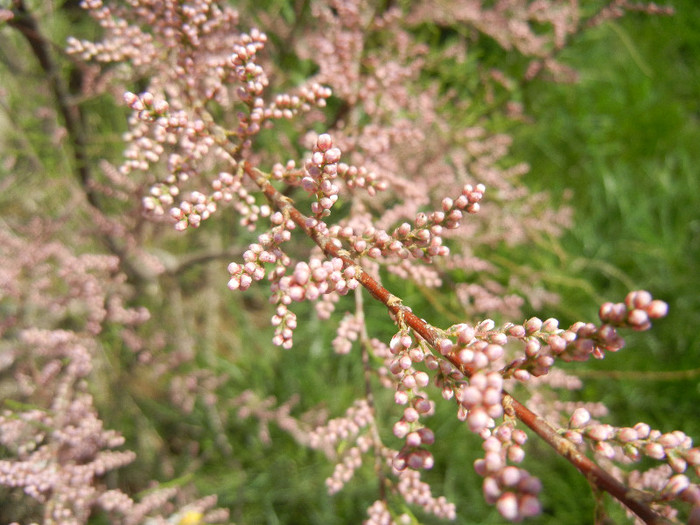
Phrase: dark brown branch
(28, 27)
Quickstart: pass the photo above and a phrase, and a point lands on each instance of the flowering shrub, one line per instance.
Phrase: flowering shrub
(365, 169)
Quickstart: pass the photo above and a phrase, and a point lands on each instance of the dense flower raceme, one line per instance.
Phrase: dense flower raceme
(166, 132)
(59, 449)
(388, 186)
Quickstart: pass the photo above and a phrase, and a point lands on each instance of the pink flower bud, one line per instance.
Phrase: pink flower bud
(510, 476)
(517, 331)
(465, 334)
(465, 356)
(445, 346)
(692, 456)
(413, 440)
(676, 485)
(427, 436)
(637, 299)
(324, 142)
(516, 454)
(469, 396)
(533, 325)
(627, 434)
(422, 379)
(494, 461)
(409, 381)
(521, 375)
(423, 406)
(400, 397)
(579, 418)
(637, 317)
(491, 488)
(657, 309)
(556, 343)
(600, 432)
(399, 462)
(477, 419)
(332, 156)
(492, 444)
(643, 430)
(130, 99)
(550, 325)
(494, 352)
(605, 449)
(411, 415)
(678, 464)
(669, 440)
(530, 506)
(401, 429)
(654, 450)
(507, 506)
(519, 436)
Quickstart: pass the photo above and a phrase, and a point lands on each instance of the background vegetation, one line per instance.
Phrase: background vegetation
(624, 139)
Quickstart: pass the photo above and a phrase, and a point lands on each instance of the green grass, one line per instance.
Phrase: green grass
(625, 140)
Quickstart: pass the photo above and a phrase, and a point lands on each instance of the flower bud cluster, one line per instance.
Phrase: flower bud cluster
(161, 196)
(636, 312)
(513, 490)
(480, 400)
(309, 281)
(147, 106)
(362, 178)
(198, 207)
(378, 514)
(148, 131)
(320, 170)
(191, 211)
(249, 74)
(252, 269)
(156, 127)
(349, 330)
(545, 342)
(675, 448)
(465, 373)
(287, 106)
(476, 348)
(422, 239)
(351, 461)
(417, 492)
(66, 478)
(284, 105)
(413, 454)
(669, 481)
(343, 430)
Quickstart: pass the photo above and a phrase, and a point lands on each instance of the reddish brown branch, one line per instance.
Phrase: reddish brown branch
(631, 498)
(596, 475)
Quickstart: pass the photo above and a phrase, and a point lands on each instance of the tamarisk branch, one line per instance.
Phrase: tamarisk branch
(597, 476)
